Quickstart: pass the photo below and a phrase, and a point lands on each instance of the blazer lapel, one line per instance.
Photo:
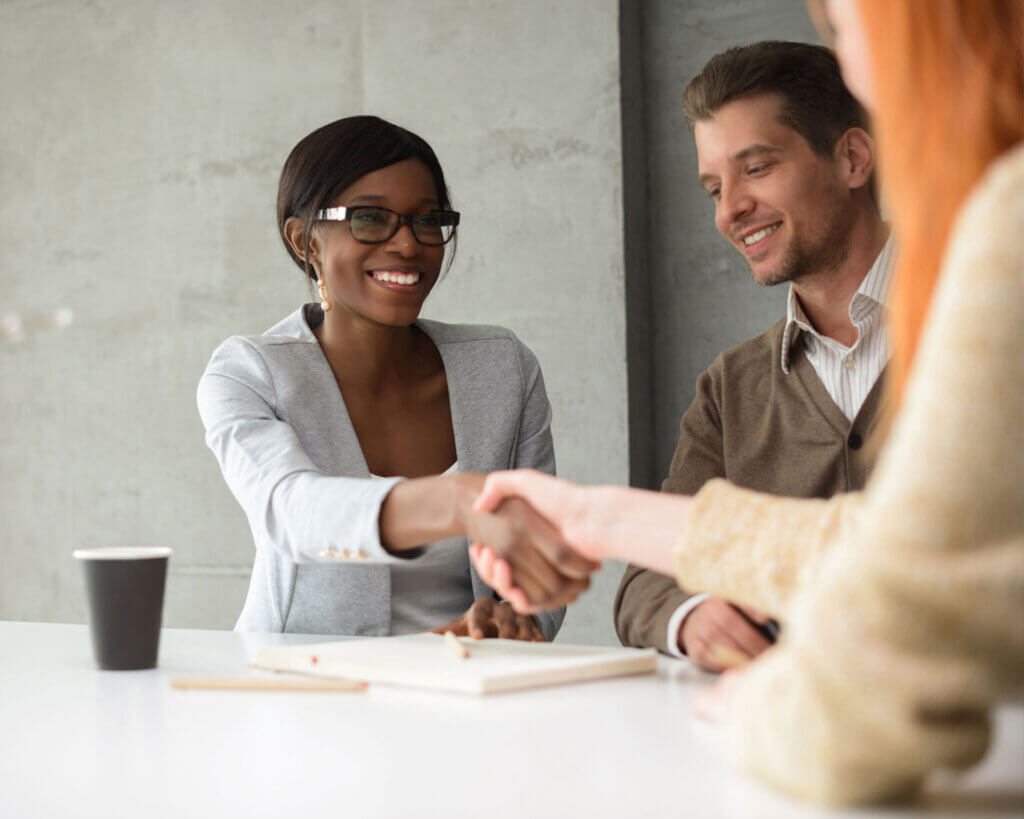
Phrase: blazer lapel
(472, 411)
(472, 414)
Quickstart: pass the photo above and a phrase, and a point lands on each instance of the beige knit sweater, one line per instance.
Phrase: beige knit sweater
(904, 603)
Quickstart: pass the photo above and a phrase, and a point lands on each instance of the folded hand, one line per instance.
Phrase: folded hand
(489, 618)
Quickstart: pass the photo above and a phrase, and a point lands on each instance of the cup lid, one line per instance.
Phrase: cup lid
(122, 553)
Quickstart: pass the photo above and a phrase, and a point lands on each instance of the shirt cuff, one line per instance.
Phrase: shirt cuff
(675, 623)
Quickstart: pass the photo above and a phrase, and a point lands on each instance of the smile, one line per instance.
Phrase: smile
(399, 280)
(753, 238)
(401, 277)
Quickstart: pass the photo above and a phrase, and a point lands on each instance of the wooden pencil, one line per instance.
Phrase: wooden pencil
(274, 683)
(455, 645)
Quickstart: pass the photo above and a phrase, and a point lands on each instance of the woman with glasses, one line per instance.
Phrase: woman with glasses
(902, 604)
(354, 433)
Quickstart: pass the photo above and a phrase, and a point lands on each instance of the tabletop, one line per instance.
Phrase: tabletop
(79, 742)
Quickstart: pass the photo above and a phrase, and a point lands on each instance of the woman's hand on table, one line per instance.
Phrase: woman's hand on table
(488, 617)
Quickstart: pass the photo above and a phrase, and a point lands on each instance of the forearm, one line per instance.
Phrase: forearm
(424, 510)
(633, 525)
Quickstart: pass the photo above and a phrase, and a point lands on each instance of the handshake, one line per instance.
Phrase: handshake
(530, 538)
(535, 539)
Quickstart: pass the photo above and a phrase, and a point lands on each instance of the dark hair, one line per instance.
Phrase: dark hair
(333, 158)
(816, 103)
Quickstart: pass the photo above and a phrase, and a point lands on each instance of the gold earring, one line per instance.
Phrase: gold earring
(325, 303)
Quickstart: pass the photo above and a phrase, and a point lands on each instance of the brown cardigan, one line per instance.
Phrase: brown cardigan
(761, 429)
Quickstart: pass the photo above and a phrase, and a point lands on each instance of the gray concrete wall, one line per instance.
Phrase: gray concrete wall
(702, 299)
(139, 151)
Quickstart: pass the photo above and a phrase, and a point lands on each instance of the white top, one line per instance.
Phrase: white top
(433, 587)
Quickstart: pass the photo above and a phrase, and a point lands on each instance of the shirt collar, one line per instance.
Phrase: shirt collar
(872, 294)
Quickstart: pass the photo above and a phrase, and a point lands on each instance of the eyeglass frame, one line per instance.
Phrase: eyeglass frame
(341, 214)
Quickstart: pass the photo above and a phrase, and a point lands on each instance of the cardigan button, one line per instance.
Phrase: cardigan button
(855, 441)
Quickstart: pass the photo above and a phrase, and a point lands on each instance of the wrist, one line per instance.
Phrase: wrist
(595, 521)
(423, 510)
(463, 489)
(681, 617)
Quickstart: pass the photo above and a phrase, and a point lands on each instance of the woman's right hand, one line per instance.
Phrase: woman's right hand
(549, 574)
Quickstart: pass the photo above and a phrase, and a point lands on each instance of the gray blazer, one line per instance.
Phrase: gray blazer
(276, 421)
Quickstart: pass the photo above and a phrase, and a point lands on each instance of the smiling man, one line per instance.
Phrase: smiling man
(785, 156)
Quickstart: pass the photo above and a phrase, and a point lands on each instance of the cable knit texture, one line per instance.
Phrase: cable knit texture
(902, 603)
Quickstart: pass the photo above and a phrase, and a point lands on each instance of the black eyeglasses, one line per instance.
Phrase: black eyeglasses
(373, 225)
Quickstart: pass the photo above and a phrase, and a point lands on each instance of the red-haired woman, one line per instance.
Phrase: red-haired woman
(902, 603)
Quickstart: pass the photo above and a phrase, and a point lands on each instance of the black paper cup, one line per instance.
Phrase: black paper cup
(125, 587)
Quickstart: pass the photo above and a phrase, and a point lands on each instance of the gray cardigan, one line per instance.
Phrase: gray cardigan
(276, 421)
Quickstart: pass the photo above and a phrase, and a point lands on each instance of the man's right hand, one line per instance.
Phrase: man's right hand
(718, 635)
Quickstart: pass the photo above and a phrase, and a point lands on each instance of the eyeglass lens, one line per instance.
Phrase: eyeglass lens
(379, 224)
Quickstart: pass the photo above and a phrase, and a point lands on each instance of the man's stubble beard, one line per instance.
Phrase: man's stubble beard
(824, 258)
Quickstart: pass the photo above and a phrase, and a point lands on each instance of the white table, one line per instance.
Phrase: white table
(78, 742)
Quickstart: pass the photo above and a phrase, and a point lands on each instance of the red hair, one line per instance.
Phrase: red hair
(949, 99)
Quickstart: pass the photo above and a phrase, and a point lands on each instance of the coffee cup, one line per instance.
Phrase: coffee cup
(125, 588)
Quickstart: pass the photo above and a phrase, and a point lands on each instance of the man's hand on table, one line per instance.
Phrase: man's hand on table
(489, 618)
(718, 635)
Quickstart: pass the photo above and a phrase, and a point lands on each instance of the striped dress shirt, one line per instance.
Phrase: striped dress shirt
(847, 373)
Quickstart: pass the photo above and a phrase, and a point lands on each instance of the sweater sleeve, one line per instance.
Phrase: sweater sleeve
(755, 549)
(907, 629)
(293, 508)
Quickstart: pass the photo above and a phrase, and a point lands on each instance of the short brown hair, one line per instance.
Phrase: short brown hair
(816, 103)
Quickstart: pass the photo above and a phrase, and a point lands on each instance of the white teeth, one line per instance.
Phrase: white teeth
(757, 237)
(396, 278)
